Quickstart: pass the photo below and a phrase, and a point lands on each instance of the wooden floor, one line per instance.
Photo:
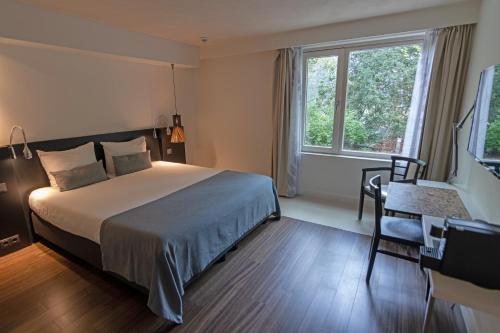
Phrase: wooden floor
(287, 276)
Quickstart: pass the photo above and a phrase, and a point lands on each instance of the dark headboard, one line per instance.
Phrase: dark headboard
(23, 176)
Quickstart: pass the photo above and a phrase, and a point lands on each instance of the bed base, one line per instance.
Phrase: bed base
(80, 247)
(90, 252)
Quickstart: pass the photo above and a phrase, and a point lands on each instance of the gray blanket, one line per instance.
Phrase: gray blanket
(163, 244)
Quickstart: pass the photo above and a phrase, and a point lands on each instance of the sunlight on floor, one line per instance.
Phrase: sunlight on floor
(328, 212)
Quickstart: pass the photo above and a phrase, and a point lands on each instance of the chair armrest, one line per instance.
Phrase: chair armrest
(365, 170)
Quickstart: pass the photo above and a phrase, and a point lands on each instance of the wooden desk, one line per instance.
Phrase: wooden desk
(422, 200)
(455, 290)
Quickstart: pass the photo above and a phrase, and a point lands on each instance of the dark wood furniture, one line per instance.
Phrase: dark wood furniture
(12, 220)
(402, 169)
(398, 230)
(420, 200)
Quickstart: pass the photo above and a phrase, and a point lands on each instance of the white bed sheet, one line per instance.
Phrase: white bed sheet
(83, 210)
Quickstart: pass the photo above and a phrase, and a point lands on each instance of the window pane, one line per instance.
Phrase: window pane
(492, 142)
(379, 91)
(320, 100)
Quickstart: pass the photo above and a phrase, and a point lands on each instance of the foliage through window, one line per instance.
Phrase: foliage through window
(320, 100)
(357, 100)
(492, 143)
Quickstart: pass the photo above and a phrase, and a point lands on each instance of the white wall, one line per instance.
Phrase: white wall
(234, 112)
(57, 94)
(234, 93)
(336, 177)
(62, 76)
(481, 187)
(442, 16)
(22, 23)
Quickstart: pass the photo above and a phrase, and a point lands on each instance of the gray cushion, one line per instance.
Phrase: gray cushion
(80, 176)
(125, 164)
(402, 228)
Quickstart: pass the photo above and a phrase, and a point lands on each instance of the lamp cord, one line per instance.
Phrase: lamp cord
(173, 82)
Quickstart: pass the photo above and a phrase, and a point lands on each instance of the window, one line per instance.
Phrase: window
(357, 99)
(321, 99)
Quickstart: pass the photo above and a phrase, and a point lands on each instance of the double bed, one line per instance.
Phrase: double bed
(157, 228)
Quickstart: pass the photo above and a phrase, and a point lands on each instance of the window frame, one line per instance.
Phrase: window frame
(316, 54)
(343, 50)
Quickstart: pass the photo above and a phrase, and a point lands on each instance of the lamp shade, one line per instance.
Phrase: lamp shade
(177, 131)
(178, 135)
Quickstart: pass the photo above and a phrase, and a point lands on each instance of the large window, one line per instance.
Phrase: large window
(357, 99)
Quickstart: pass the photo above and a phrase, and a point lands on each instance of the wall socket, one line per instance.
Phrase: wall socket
(3, 187)
(9, 241)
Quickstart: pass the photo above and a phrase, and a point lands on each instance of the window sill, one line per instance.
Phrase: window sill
(384, 160)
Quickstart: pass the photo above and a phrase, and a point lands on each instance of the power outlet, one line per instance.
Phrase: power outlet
(3, 187)
(9, 241)
(169, 151)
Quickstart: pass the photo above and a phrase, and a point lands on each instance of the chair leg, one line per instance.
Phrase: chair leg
(428, 290)
(361, 203)
(373, 253)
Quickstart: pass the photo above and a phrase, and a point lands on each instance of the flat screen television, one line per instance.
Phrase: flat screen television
(484, 140)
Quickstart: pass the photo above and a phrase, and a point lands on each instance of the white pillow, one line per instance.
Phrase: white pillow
(53, 161)
(121, 148)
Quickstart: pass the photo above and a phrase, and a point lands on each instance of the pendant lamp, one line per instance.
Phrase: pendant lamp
(178, 135)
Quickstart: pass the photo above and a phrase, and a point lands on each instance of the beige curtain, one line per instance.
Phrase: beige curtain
(285, 152)
(449, 69)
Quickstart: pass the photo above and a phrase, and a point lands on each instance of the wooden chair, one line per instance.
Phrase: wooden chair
(397, 230)
(402, 169)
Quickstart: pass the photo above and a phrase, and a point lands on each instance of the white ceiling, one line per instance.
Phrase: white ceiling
(187, 20)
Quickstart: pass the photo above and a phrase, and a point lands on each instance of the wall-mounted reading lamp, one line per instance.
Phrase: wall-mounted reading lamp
(26, 151)
(457, 127)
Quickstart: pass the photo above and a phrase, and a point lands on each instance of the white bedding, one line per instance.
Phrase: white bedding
(82, 211)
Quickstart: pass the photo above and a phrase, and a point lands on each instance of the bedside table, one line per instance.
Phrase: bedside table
(173, 152)
(12, 218)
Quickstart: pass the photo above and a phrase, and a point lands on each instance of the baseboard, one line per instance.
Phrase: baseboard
(344, 199)
(328, 195)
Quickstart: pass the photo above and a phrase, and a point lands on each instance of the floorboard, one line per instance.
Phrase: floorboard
(287, 276)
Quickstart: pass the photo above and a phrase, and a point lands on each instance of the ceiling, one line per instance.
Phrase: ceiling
(187, 20)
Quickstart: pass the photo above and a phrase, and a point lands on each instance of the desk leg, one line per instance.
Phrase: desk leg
(428, 288)
(428, 314)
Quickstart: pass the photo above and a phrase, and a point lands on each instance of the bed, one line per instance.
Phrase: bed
(158, 228)
(161, 227)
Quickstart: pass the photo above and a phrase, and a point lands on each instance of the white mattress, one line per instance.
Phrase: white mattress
(83, 210)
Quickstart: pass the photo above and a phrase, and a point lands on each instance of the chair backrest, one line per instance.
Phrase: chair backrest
(407, 169)
(376, 188)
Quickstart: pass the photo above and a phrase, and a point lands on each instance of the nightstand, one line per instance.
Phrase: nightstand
(14, 232)
(173, 152)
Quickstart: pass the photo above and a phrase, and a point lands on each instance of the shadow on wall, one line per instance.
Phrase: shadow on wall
(206, 155)
(87, 94)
